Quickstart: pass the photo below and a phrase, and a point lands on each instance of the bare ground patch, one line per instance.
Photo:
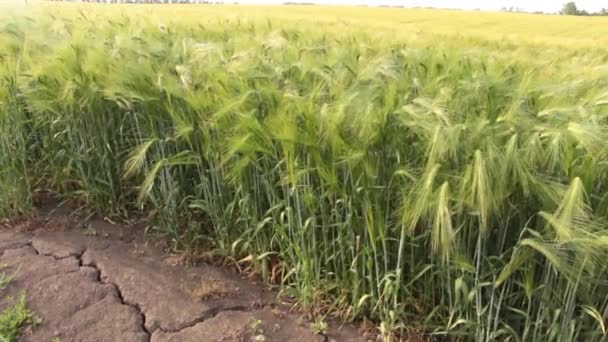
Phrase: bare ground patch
(115, 286)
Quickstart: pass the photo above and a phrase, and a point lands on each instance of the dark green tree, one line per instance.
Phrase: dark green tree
(569, 9)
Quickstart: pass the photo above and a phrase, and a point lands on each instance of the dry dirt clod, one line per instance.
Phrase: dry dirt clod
(213, 288)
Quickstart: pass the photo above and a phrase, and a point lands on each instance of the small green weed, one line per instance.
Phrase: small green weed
(319, 326)
(4, 280)
(14, 318)
(256, 330)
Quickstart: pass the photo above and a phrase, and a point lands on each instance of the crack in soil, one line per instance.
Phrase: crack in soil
(207, 315)
(204, 316)
(4, 251)
(31, 244)
(78, 257)
(101, 280)
(37, 253)
(18, 246)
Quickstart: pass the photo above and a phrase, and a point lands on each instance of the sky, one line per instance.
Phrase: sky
(527, 5)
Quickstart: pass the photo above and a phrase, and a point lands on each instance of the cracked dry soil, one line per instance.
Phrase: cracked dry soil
(105, 287)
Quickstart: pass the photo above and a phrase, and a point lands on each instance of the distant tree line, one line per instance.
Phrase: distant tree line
(512, 9)
(571, 9)
(206, 2)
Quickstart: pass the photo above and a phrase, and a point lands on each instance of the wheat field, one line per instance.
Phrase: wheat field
(440, 173)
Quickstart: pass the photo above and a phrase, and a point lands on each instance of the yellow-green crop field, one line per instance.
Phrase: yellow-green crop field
(438, 172)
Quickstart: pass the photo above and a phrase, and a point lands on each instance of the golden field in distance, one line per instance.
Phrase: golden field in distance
(392, 23)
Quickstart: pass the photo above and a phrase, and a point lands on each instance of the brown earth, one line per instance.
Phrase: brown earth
(107, 283)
